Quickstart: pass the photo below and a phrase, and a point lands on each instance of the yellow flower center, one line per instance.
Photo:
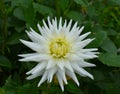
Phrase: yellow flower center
(59, 47)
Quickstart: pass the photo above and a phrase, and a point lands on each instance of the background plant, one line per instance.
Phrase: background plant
(101, 17)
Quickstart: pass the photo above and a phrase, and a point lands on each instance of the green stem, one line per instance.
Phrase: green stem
(58, 8)
(68, 8)
(3, 25)
(4, 18)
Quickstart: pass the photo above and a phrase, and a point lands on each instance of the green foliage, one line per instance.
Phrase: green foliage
(110, 59)
(101, 17)
(4, 62)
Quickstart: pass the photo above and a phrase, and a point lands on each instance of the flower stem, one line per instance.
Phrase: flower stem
(3, 25)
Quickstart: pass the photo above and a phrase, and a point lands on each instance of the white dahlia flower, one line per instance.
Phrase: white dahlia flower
(60, 51)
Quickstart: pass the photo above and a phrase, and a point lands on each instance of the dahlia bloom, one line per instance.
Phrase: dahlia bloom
(60, 51)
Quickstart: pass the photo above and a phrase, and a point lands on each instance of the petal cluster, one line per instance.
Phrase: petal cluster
(59, 49)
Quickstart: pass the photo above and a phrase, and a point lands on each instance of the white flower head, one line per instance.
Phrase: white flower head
(60, 51)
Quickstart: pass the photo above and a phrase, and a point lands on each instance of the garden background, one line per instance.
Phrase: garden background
(101, 17)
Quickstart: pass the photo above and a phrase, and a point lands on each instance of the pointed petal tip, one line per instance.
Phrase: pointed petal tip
(23, 41)
(93, 65)
(92, 39)
(31, 29)
(20, 60)
(28, 78)
(78, 84)
(89, 33)
(97, 53)
(90, 76)
(19, 55)
(83, 27)
(48, 18)
(60, 17)
(38, 85)
(29, 72)
(26, 31)
(62, 88)
(38, 25)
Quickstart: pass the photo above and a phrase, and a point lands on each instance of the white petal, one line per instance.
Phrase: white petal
(41, 30)
(27, 55)
(51, 74)
(36, 36)
(81, 29)
(92, 53)
(69, 26)
(81, 71)
(39, 67)
(60, 81)
(45, 25)
(50, 64)
(60, 23)
(37, 58)
(34, 39)
(86, 64)
(47, 33)
(83, 36)
(54, 23)
(73, 57)
(60, 64)
(62, 74)
(73, 76)
(65, 24)
(89, 50)
(50, 24)
(73, 28)
(84, 43)
(87, 56)
(72, 36)
(31, 45)
(35, 75)
(44, 77)
(68, 66)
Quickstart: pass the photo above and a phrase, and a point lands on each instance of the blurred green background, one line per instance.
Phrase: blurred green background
(101, 17)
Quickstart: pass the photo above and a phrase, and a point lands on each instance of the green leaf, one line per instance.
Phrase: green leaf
(91, 11)
(81, 2)
(109, 88)
(42, 9)
(63, 4)
(27, 8)
(29, 13)
(76, 16)
(73, 88)
(18, 12)
(110, 59)
(117, 40)
(27, 89)
(109, 46)
(15, 38)
(117, 2)
(10, 86)
(111, 32)
(98, 77)
(100, 37)
(2, 91)
(4, 62)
